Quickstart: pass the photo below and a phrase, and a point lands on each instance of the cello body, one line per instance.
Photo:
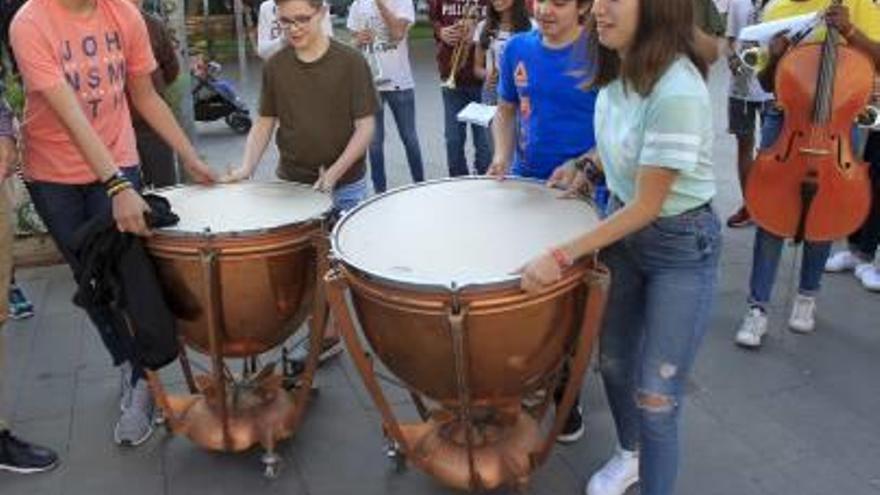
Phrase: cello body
(814, 147)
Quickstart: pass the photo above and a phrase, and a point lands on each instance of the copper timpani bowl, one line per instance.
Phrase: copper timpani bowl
(415, 257)
(262, 237)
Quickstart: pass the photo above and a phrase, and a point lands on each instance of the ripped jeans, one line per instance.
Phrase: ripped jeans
(663, 280)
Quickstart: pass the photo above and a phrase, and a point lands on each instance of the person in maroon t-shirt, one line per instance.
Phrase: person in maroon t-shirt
(450, 29)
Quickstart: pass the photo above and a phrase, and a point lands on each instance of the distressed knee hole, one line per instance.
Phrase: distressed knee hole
(655, 403)
(667, 371)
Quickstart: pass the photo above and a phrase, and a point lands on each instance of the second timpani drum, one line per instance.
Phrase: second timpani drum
(433, 275)
(240, 271)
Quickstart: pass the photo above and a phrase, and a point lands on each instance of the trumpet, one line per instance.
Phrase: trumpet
(751, 59)
(459, 53)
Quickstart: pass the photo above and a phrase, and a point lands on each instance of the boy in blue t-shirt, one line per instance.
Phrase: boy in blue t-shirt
(545, 117)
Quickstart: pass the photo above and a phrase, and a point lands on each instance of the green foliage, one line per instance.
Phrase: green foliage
(14, 94)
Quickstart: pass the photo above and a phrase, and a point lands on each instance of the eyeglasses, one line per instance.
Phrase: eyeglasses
(297, 20)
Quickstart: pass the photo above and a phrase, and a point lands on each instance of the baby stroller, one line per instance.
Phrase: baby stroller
(215, 98)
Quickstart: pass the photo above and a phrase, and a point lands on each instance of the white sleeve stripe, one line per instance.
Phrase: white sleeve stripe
(658, 137)
(656, 155)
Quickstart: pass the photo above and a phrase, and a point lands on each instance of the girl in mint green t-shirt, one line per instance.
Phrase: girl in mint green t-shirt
(661, 238)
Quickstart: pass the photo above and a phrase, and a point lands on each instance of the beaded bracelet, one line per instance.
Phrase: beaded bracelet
(117, 183)
(117, 177)
(118, 187)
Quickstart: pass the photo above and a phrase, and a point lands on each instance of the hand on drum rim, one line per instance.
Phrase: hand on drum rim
(327, 179)
(200, 171)
(573, 182)
(545, 269)
(498, 169)
(237, 174)
(539, 272)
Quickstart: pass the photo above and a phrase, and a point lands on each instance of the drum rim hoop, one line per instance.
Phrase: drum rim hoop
(170, 232)
(415, 283)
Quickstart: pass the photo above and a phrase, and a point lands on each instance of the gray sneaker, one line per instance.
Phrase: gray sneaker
(125, 388)
(135, 425)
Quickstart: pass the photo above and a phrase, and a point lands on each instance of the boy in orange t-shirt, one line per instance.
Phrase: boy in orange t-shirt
(78, 60)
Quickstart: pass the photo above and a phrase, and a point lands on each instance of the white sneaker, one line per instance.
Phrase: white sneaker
(861, 268)
(618, 474)
(803, 314)
(753, 328)
(870, 278)
(842, 261)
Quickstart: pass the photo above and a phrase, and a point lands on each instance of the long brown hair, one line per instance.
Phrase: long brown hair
(665, 30)
(519, 19)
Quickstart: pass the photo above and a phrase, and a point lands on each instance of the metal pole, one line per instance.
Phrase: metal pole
(241, 39)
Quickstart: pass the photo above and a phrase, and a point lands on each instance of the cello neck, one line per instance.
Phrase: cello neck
(827, 69)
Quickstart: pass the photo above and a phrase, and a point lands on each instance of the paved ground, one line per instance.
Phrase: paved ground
(798, 417)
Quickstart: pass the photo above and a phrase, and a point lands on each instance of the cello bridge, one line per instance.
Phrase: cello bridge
(814, 151)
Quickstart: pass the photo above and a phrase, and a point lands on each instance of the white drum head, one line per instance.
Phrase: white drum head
(244, 207)
(457, 233)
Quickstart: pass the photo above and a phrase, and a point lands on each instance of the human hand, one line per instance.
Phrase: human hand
(571, 180)
(451, 35)
(540, 272)
(128, 212)
(364, 37)
(498, 168)
(200, 171)
(779, 44)
(327, 179)
(838, 17)
(235, 174)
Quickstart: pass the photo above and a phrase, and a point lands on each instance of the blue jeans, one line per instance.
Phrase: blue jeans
(348, 196)
(66, 207)
(865, 240)
(768, 247)
(662, 289)
(765, 262)
(454, 100)
(403, 106)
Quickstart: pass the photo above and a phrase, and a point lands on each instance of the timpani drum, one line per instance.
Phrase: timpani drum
(240, 274)
(432, 271)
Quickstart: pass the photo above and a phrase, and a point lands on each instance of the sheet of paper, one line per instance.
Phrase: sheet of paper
(762, 33)
(477, 114)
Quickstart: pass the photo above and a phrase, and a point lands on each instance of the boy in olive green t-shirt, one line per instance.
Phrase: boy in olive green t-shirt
(320, 96)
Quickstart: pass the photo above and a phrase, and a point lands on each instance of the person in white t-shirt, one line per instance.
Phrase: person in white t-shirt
(380, 28)
(746, 101)
(270, 37)
(504, 19)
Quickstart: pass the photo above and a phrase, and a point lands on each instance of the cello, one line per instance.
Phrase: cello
(809, 185)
